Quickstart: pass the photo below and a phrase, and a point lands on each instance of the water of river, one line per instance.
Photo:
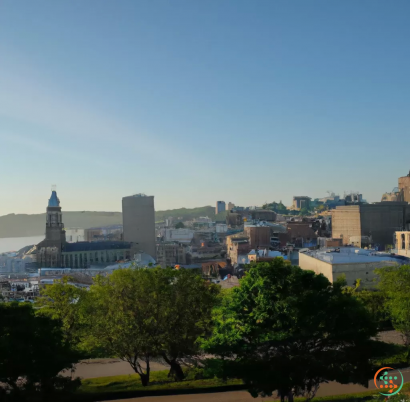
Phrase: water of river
(16, 243)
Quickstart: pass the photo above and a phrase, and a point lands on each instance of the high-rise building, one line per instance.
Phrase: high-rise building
(220, 207)
(138, 215)
(229, 206)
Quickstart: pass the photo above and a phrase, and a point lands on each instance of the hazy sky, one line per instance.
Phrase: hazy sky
(201, 100)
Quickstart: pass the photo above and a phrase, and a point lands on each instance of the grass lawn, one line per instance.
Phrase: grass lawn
(158, 381)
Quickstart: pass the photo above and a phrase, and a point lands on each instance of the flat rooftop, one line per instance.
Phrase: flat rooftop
(352, 255)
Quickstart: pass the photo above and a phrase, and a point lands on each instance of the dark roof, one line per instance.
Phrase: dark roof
(96, 245)
(24, 250)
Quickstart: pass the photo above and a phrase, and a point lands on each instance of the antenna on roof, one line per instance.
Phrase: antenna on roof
(53, 187)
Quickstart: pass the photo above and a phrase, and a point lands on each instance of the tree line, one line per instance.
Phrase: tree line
(284, 329)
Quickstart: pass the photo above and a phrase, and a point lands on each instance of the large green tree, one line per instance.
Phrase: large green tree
(64, 302)
(276, 207)
(139, 314)
(394, 283)
(32, 354)
(373, 300)
(188, 315)
(287, 329)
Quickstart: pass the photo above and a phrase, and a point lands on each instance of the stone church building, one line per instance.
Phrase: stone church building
(55, 252)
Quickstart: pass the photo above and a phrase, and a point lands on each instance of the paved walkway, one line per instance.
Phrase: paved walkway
(111, 367)
(233, 396)
(331, 388)
(107, 368)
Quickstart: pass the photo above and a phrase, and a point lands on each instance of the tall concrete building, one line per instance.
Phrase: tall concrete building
(229, 206)
(220, 207)
(138, 216)
(360, 225)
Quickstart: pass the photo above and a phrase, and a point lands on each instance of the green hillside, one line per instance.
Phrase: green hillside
(188, 214)
(23, 225)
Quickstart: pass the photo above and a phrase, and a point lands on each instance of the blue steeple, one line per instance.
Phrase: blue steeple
(54, 201)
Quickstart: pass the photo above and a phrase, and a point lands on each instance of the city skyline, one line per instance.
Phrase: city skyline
(194, 102)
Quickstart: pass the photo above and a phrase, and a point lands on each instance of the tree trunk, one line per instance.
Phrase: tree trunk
(139, 370)
(176, 370)
(282, 394)
(290, 396)
(144, 379)
(224, 377)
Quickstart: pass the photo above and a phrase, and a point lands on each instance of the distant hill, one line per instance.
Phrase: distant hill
(22, 225)
(188, 214)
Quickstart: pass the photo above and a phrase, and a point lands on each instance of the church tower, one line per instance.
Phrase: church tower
(54, 223)
(49, 250)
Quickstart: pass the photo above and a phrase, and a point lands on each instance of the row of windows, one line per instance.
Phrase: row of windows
(84, 260)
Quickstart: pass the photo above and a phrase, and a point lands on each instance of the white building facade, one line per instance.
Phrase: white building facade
(74, 235)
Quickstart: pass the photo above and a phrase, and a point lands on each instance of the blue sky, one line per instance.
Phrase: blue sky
(197, 101)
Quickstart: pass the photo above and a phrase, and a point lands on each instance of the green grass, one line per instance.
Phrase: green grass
(158, 381)
(389, 354)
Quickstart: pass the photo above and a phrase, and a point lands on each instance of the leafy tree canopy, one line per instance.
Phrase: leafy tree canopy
(138, 314)
(288, 329)
(32, 353)
(394, 283)
(374, 301)
(179, 225)
(63, 301)
(278, 207)
(304, 212)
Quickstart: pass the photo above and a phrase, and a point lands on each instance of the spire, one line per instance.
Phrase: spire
(53, 201)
